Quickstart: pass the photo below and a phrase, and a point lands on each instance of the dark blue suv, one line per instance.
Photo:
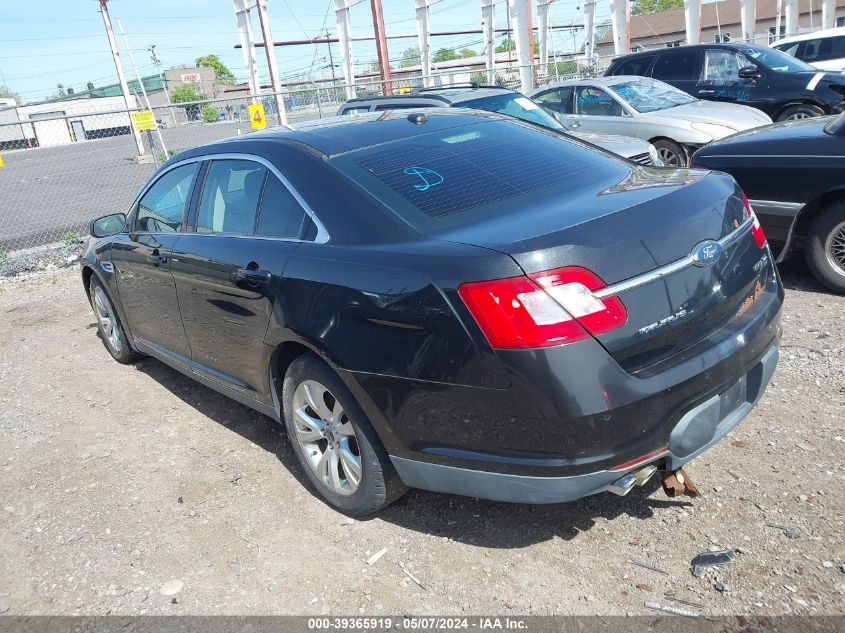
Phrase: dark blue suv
(783, 87)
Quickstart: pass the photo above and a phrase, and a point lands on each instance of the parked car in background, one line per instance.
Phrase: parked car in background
(449, 300)
(671, 120)
(778, 84)
(823, 49)
(794, 173)
(503, 101)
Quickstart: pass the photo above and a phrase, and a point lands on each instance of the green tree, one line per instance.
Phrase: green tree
(184, 94)
(444, 55)
(506, 46)
(410, 57)
(224, 75)
(210, 114)
(640, 7)
(8, 93)
(468, 52)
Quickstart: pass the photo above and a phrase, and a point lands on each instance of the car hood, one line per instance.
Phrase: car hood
(767, 139)
(731, 115)
(626, 146)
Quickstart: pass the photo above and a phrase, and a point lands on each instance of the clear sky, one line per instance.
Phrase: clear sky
(63, 41)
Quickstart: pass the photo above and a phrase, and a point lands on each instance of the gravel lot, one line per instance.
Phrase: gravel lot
(132, 490)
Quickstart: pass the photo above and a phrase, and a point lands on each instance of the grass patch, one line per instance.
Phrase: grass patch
(69, 239)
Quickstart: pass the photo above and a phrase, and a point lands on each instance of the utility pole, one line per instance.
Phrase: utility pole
(381, 46)
(120, 76)
(157, 63)
(143, 89)
(270, 50)
(331, 60)
(247, 47)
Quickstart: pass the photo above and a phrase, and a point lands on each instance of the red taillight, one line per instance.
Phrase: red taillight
(545, 309)
(756, 229)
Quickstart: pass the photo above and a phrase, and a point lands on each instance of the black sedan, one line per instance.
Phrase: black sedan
(455, 301)
(794, 173)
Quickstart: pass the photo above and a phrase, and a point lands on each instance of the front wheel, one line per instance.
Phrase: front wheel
(825, 247)
(800, 111)
(336, 445)
(670, 153)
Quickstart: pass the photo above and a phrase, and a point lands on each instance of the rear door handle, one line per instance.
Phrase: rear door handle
(253, 276)
(706, 92)
(156, 259)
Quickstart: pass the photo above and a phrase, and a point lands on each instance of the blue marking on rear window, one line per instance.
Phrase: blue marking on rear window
(429, 177)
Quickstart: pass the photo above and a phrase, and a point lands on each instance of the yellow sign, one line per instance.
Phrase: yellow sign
(256, 116)
(1, 162)
(403, 90)
(143, 120)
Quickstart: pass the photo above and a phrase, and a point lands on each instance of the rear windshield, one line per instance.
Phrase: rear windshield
(514, 105)
(475, 172)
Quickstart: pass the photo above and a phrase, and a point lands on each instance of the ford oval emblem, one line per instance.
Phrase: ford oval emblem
(706, 253)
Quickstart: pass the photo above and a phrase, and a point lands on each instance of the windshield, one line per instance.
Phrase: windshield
(514, 105)
(647, 95)
(776, 60)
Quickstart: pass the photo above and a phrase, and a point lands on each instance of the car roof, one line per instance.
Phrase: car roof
(341, 134)
(838, 30)
(654, 51)
(447, 94)
(611, 80)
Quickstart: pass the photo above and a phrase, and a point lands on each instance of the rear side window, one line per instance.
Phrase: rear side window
(230, 197)
(476, 171)
(558, 100)
(635, 66)
(160, 209)
(823, 49)
(356, 110)
(400, 106)
(681, 64)
(280, 214)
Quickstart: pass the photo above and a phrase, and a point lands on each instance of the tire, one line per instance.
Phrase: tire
(800, 111)
(825, 247)
(108, 324)
(672, 154)
(332, 437)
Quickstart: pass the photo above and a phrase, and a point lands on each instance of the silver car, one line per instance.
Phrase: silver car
(674, 122)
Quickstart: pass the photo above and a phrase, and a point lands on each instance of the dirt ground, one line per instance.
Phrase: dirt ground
(133, 490)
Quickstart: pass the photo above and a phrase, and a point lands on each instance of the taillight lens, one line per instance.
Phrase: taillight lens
(545, 309)
(756, 229)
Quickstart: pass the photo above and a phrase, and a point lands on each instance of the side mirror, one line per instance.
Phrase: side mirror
(107, 225)
(749, 72)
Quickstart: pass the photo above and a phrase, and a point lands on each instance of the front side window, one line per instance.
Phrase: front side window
(822, 49)
(558, 100)
(790, 49)
(280, 214)
(721, 67)
(676, 65)
(161, 208)
(230, 196)
(595, 102)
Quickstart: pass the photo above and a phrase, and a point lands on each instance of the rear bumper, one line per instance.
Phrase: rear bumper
(695, 432)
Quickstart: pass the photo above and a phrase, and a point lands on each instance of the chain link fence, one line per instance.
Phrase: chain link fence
(60, 171)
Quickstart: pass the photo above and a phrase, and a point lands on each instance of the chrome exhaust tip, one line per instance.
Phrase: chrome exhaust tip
(623, 485)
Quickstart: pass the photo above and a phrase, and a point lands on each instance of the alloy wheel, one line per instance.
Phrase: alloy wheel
(834, 248)
(326, 437)
(668, 157)
(106, 318)
(798, 116)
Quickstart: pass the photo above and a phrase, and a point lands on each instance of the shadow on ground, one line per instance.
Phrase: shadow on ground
(472, 521)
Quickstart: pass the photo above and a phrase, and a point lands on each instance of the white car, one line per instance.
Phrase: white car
(674, 122)
(823, 49)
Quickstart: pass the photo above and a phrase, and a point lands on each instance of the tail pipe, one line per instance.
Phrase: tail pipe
(624, 484)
